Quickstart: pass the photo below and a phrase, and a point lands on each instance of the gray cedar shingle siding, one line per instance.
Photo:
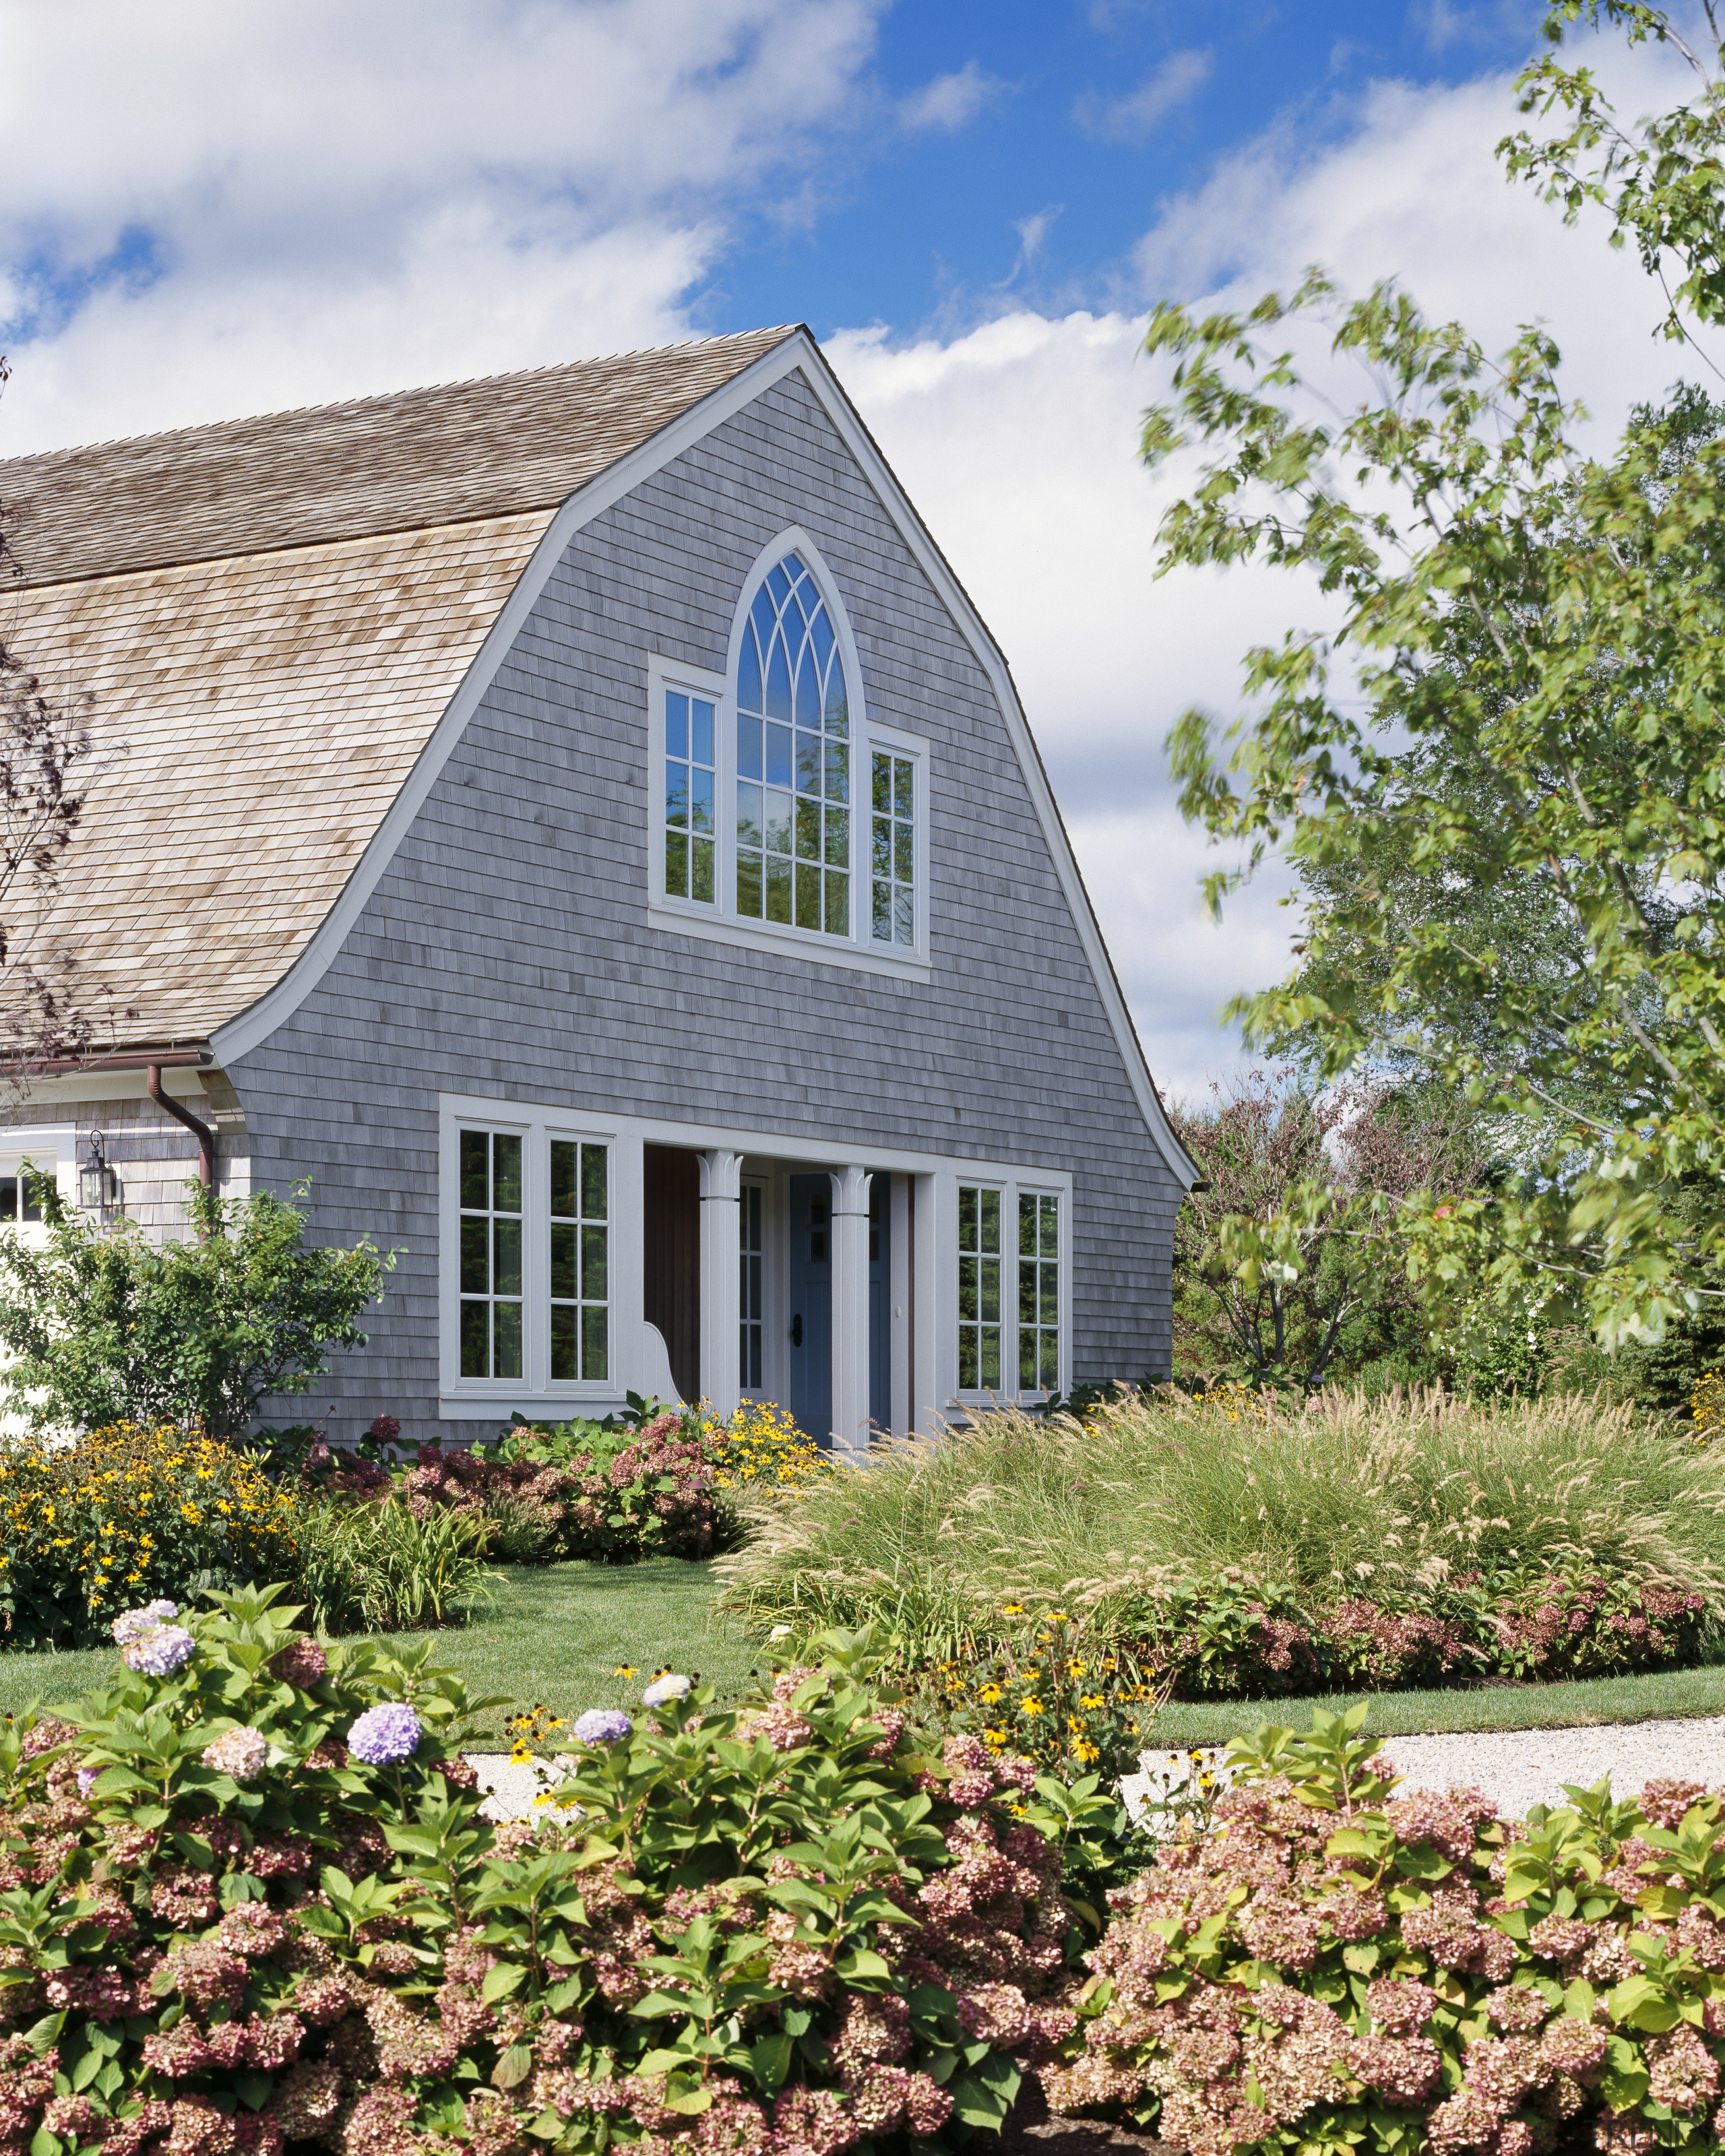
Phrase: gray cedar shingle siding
(506, 951)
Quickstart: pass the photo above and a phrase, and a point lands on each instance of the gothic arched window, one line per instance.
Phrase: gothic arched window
(793, 758)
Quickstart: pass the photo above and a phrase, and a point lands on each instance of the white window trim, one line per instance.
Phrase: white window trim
(1011, 1189)
(536, 1130)
(720, 922)
(931, 1282)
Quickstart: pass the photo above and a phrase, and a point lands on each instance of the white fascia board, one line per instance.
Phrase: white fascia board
(797, 352)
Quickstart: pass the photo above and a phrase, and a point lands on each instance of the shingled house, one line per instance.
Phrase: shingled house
(578, 821)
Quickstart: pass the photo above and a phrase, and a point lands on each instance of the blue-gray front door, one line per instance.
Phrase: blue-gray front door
(811, 1400)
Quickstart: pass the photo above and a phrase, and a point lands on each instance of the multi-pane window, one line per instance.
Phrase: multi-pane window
(752, 1252)
(979, 1314)
(1039, 1293)
(793, 759)
(893, 859)
(19, 1197)
(690, 797)
(490, 1255)
(580, 1260)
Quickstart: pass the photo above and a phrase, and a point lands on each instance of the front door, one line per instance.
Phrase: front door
(812, 1305)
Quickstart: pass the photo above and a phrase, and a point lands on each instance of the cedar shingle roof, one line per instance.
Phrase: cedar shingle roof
(272, 615)
(469, 449)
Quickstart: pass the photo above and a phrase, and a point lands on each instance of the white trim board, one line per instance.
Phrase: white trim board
(798, 353)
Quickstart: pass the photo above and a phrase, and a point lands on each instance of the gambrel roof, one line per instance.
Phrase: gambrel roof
(273, 614)
(288, 621)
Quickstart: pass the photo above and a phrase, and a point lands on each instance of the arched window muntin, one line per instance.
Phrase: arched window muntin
(795, 749)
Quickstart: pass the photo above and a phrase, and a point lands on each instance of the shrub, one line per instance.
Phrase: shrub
(1336, 1966)
(380, 1567)
(657, 1498)
(125, 1516)
(235, 1918)
(102, 1325)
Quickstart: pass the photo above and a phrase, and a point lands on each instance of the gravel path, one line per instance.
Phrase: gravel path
(1519, 1768)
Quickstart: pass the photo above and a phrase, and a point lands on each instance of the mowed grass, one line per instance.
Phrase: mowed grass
(553, 1635)
(1671, 1694)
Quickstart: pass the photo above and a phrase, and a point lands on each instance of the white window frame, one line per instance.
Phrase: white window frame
(536, 1132)
(1011, 1189)
(719, 921)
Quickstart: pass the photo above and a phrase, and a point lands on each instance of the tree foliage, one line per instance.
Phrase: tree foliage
(103, 1327)
(1538, 630)
(1333, 1164)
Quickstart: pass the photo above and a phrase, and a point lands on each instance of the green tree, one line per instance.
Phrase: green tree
(1333, 1163)
(1539, 635)
(101, 1326)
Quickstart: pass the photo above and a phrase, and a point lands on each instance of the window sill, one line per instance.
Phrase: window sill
(770, 935)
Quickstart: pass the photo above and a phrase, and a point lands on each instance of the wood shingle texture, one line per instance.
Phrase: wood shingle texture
(272, 615)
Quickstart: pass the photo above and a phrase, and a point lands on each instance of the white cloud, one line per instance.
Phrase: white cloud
(331, 198)
(1128, 118)
(951, 101)
(1017, 441)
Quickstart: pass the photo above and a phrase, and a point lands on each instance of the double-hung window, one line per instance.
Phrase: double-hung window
(1010, 1265)
(787, 815)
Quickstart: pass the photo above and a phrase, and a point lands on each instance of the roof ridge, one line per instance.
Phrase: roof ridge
(780, 331)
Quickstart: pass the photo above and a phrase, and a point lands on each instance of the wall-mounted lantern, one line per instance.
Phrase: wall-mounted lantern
(97, 1185)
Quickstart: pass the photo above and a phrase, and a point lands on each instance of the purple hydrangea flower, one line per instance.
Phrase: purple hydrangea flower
(159, 1651)
(384, 1735)
(662, 1690)
(602, 1725)
(130, 1622)
(87, 1779)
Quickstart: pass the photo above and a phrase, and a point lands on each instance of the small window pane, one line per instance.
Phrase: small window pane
(749, 748)
(807, 896)
(701, 737)
(838, 922)
(475, 1340)
(564, 1274)
(505, 1173)
(808, 831)
(676, 865)
(594, 1247)
(778, 756)
(809, 763)
(506, 1345)
(676, 726)
(778, 820)
(476, 1257)
(989, 1220)
(749, 831)
(506, 1257)
(594, 1182)
(701, 870)
(565, 1355)
(838, 838)
(594, 1361)
(779, 889)
(475, 1171)
(563, 1200)
(748, 885)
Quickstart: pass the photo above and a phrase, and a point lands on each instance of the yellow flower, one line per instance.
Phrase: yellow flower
(1031, 1706)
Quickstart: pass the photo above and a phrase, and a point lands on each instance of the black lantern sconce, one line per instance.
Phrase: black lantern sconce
(97, 1185)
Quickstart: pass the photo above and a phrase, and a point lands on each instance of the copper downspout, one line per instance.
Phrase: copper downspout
(205, 1136)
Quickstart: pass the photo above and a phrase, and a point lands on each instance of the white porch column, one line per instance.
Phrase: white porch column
(850, 1306)
(720, 1279)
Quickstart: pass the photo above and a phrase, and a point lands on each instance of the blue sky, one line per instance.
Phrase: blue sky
(215, 211)
(1054, 129)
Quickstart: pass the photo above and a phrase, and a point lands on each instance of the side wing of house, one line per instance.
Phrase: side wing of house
(718, 1006)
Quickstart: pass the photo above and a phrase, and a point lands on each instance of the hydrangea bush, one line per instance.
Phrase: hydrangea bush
(1338, 1967)
(250, 1900)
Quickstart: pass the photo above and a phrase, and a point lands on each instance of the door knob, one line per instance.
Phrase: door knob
(797, 1330)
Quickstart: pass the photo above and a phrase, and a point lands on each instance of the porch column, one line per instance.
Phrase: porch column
(720, 1277)
(850, 1306)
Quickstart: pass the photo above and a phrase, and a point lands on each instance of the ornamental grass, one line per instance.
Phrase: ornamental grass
(1391, 1497)
(125, 1516)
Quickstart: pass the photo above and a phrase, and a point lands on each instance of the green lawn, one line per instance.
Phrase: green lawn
(1674, 1693)
(554, 1634)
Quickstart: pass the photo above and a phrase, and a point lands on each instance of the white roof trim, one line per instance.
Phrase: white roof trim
(799, 352)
